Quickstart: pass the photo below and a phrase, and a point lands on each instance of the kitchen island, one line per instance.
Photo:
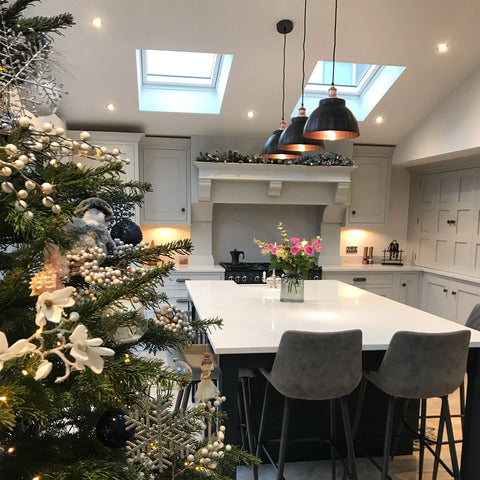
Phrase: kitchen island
(254, 320)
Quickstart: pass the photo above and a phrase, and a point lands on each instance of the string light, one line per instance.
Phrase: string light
(11, 450)
(24, 372)
(127, 358)
(79, 165)
(3, 398)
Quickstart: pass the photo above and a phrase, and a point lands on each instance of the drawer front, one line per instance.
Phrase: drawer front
(360, 279)
(178, 278)
(177, 295)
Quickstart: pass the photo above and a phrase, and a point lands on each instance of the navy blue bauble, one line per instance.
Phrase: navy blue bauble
(127, 231)
(111, 429)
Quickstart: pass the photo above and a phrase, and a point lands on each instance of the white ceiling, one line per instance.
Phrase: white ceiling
(98, 65)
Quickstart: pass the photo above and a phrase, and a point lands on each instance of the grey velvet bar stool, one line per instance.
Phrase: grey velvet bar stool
(314, 366)
(419, 366)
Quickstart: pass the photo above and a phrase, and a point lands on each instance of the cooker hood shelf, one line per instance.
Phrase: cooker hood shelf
(270, 183)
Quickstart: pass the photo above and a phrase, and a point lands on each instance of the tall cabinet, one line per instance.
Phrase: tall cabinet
(127, 143)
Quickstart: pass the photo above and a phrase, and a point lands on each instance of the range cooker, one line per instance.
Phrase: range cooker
(250, 273)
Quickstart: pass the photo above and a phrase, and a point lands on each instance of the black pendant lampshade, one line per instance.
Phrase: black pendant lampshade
(270, 149)
(292, 138)
(332, 120)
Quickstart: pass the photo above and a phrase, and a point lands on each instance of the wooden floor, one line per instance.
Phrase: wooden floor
(401, 468)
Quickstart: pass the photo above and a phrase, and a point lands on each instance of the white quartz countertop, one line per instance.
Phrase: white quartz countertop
(254, 318)
(375, 267)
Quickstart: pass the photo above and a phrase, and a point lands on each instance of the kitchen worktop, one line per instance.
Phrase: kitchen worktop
(254, 318)
(374, 267)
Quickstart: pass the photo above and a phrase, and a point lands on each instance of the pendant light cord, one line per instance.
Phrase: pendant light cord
(283, 84)
(304, 41)
(334, 44)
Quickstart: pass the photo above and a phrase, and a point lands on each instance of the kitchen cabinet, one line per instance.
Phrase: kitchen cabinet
(409, 289)
(401, 286)
(127, 143)
(165, 163)
(370, 186)
(376, 282)
(449, 298)
(175, 288)
(448, 216)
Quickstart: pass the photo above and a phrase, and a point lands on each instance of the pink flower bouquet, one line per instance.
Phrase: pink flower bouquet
(293, 254)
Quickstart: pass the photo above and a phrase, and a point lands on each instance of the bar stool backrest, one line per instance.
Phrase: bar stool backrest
(473, 320)
(317, 365)
(423, 365)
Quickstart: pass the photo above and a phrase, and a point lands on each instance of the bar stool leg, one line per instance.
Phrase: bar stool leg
(358, 410)
(462, 401)
(262, 425)
(283, 438)
(438, 447)
(241, 410)
(248, 421)
(451, 438)
(388, 438)
(333, 437)
(423, 420)
(349, 438)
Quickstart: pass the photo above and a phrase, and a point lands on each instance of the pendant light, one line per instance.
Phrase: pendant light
(332, 120)
(270, 149)
(292, 138)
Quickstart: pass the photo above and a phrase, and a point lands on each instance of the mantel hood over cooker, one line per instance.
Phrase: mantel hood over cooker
(272, 184)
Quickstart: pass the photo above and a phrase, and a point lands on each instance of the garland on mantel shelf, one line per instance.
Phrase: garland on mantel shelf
(314, 159)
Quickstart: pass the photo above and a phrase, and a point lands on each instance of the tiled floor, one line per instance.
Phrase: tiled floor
(401, 468)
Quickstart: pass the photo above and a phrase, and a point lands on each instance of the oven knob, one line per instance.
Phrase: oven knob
(316, 277)
(237, 279)
(230, 277)
(257, 279)
(244, 279)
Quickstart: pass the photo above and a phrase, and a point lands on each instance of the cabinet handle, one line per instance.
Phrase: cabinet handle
(182, 280)
(454, 293)
(183, 209)
(451, 222)
(404, 284)
(445, 290)
(182, 300)
(354, 212)
(359, 279)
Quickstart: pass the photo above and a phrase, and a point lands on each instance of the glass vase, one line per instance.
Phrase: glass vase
(292, 287)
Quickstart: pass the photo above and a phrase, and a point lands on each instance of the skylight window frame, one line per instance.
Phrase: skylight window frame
(370, 74)
(212, 85)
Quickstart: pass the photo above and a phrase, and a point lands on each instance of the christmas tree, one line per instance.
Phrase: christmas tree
(78, 399)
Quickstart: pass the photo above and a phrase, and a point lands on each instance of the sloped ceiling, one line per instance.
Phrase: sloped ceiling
(97, 66)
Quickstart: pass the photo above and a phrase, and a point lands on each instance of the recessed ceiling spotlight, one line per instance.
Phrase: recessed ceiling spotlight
(97, 22)
(250, 114)
(442, 47)
(379, 119)
(110, 107)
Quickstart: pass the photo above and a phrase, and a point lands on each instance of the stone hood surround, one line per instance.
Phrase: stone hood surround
(272, 184)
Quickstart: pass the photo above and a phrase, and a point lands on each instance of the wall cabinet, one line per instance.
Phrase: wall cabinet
(370, 185)
(127, 143)
(449, 298)
(165, 163)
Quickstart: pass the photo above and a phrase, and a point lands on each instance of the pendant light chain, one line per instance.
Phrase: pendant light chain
(304, 42)
(283, 84)
(334, 44)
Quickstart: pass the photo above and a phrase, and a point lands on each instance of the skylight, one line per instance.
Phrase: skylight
(183, 82)
(180, 68)
(362, 85)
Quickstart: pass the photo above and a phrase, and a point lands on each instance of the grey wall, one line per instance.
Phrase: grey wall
(235, 226)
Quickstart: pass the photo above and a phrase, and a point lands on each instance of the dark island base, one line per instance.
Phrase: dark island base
(309, 419)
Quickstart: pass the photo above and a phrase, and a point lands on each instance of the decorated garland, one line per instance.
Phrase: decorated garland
(313, 159)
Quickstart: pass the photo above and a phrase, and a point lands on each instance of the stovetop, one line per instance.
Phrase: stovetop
(252, 272)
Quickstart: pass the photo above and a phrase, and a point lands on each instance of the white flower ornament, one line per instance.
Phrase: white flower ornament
(50, 305)
(87, 352)
(18, 349)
